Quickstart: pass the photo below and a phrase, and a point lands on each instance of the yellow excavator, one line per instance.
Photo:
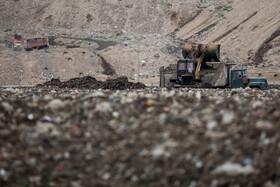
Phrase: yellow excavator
(191, 71)
(201, 67)
(200, 54)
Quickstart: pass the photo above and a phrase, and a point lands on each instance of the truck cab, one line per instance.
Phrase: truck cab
(14, 41)
(17, 46)
(185, 71)
(240, 79)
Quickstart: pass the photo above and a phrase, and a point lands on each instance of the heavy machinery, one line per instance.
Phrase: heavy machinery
(36, 43)
(14, 41)
(201, 67)
(17, 42)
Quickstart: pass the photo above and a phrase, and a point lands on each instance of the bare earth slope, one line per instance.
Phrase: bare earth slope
(243, 28)
(249, 32)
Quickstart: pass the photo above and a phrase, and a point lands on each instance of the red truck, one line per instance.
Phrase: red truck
(15, 41)
(36, 43)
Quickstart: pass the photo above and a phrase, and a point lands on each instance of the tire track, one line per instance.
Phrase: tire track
(203, 30)
(107, 67)
(184, 24)
(234, 28)
(265, 46)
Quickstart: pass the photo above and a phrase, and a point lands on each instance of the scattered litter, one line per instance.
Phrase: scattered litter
(247, 161)
(151, 137)
(233, 169)
(75, 127)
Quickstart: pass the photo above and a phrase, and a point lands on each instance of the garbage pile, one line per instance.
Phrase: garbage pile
(148, 137)
(88, 82)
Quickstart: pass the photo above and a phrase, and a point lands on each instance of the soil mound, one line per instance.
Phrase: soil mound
(88, 82)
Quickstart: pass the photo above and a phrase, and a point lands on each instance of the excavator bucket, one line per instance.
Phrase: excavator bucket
(211, 52)
(200, 61)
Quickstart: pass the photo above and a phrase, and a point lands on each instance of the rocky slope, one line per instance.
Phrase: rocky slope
(248, 33)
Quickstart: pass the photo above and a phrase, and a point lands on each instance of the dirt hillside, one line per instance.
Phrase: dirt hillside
(156, 29)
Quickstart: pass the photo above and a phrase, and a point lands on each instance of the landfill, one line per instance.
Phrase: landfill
(119, 83)
(76, 136)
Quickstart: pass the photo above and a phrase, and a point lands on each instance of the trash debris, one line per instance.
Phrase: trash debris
(247, 161)
(150, 137)
(75, 127)
(30, 116)
(55, 104)
(233, 169)
(120, 83)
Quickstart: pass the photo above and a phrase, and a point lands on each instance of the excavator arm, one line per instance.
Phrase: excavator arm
(197, 70)
(196, 55)
(201, 53)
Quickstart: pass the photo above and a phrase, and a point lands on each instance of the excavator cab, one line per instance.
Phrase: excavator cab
(201, 67)
(185, 71)
(195, 58)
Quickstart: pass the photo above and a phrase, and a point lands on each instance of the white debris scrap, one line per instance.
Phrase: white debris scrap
(55, 104)
(233, 169)
(163, 149)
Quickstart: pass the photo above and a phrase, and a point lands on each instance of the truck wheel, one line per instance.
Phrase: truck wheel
(206, 85)
(202, 85)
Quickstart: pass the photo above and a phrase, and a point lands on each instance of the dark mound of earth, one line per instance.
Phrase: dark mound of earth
(88, 82)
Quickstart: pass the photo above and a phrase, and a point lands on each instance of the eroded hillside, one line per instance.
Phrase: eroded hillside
(248, 32)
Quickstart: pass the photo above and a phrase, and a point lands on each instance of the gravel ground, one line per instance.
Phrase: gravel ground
(148, 137)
